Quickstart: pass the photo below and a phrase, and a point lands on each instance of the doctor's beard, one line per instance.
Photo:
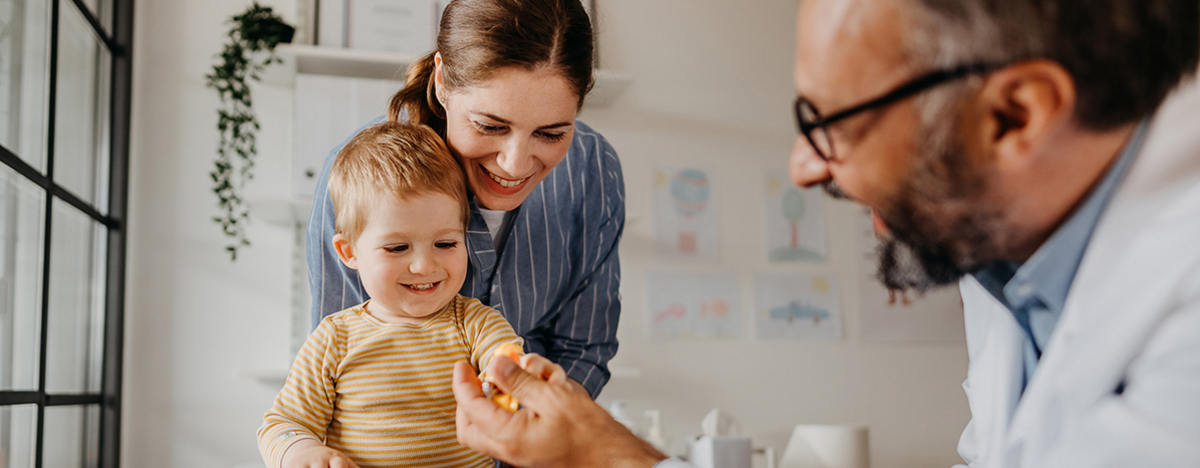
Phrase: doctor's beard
(941, 229)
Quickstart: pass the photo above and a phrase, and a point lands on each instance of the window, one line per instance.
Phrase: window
(64, 138)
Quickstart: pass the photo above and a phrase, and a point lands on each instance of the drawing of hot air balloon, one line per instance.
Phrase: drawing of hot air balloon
(689, 192)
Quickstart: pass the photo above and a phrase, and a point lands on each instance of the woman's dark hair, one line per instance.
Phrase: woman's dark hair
(479, 37)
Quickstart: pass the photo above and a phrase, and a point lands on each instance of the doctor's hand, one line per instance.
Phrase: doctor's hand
(556, 425)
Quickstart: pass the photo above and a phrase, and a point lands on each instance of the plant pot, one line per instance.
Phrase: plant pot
(269, 30)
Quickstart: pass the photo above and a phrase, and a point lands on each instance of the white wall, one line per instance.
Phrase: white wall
(194, 320)
(711, 86)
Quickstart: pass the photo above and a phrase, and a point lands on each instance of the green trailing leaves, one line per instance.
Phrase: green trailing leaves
(253, 36)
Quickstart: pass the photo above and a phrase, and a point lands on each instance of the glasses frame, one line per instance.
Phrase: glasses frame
(916, 85)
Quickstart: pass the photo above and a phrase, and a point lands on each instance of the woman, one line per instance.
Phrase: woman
(547, 194)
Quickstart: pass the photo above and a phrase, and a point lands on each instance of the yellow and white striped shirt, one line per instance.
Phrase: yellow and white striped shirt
(380, 392)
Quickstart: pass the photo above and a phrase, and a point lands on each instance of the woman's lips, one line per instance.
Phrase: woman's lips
(501, 185)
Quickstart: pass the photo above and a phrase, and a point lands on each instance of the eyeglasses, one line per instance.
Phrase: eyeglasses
(816, 128)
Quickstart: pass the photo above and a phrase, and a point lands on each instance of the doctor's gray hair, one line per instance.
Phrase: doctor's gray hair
(1125, 56)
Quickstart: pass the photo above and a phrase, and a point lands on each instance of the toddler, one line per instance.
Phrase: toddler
(371, 384)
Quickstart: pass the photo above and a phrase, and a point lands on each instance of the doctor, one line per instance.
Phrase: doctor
(1023, 149)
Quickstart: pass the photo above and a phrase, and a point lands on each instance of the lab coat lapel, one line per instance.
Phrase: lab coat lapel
(1089, 347)
(994, 378)
(1115, 303)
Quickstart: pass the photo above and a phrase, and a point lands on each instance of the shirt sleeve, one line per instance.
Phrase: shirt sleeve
(584, 335)
(487, 330)
(333, 286)
(304, 407)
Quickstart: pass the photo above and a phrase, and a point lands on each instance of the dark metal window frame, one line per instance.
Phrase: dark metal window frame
(119, 45)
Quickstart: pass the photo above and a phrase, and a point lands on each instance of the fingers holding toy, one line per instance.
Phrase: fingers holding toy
(512, 352)
(480, 423)
(557, 426)
(543, 368)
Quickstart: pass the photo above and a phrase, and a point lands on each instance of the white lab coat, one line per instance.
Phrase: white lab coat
(1132, 316)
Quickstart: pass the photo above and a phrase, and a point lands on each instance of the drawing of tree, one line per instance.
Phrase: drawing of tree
(793, 210)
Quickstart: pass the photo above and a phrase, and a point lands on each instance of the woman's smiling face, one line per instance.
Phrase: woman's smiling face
(510, 131)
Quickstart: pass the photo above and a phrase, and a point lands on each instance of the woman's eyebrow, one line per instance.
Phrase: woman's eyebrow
(506, 122)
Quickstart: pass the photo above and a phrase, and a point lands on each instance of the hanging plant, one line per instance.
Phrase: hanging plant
(253, 36)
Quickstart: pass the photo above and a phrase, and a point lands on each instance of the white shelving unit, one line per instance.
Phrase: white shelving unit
(318, 60)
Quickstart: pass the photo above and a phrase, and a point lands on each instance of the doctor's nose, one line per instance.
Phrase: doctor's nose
(805, 167)
(516, 157)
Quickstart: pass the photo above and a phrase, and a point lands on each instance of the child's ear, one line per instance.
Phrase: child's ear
(345, 251)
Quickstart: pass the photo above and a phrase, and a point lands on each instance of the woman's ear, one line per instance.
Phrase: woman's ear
(438, 84)
(345, 251)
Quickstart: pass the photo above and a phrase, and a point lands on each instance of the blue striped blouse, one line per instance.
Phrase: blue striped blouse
(555, 279)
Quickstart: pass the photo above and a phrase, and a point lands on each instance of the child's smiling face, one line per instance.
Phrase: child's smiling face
(411, 255)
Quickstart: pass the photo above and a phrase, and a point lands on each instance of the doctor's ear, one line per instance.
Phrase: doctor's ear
(345, 251)
(1025, 104)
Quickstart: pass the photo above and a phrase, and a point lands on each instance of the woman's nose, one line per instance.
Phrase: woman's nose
(805, 167)
(516, 158)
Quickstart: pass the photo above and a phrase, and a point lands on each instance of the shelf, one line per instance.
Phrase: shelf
(280, 209)
(271, 377)
(352, 63)
(609, 86)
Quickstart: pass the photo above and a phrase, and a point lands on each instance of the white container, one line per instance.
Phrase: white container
(721, 452)
(822, 446)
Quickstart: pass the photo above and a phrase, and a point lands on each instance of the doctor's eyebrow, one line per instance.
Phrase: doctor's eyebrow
(506, 122)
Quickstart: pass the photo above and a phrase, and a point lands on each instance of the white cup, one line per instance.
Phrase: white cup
(827, 446)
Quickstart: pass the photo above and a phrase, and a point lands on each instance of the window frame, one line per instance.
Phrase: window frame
(117, 43)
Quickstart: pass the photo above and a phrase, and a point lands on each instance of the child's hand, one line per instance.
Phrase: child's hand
(312, 454)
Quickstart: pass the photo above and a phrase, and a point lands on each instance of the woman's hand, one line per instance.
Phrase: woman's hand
(557, 425)
(310, 453)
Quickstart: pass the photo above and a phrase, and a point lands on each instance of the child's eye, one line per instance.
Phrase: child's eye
(446, 245)
(552, 136)
(397, 248)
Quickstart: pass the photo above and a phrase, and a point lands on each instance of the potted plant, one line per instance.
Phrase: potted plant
(250, 47)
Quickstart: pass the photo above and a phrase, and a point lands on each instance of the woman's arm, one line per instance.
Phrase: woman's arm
(583, 334)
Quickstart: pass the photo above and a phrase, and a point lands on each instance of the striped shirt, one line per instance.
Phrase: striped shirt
(380, 392)
(555, 278)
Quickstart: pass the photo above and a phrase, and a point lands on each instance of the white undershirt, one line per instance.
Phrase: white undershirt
(496, 221)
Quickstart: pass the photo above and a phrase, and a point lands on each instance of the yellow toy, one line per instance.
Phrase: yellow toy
(512, 351)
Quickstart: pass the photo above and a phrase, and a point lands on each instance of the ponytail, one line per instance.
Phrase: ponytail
(416, 100)
(478, 37)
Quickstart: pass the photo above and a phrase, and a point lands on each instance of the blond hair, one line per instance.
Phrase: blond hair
(391, 159)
